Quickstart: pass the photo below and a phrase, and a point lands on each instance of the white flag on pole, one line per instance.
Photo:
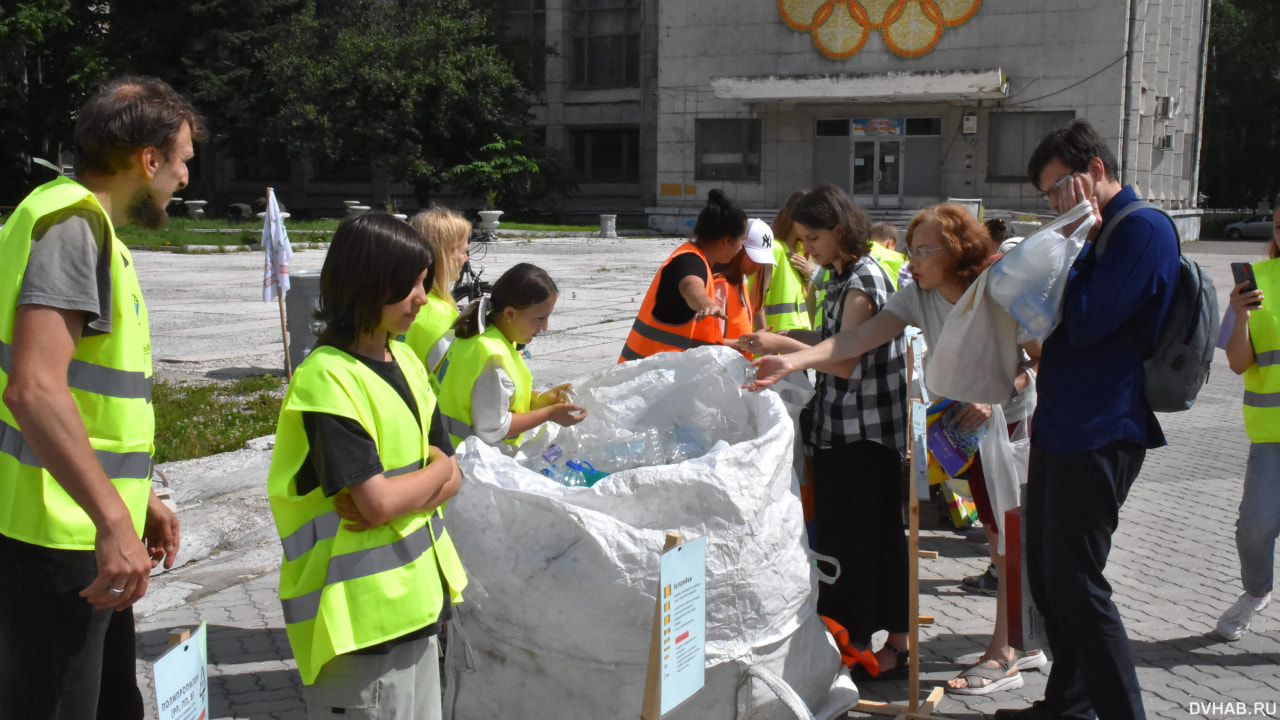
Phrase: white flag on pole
(275, 242)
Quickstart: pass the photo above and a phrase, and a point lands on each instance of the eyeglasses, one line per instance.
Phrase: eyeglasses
(920, 252)
(1057, 185)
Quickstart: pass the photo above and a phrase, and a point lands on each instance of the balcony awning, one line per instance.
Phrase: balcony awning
(987, 84)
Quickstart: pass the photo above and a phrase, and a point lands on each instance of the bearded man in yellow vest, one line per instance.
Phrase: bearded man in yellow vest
(77, 431)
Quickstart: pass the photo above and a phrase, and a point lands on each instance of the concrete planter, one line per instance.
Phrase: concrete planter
(489, 219)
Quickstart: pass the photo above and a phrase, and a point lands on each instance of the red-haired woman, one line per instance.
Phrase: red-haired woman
(948, 249)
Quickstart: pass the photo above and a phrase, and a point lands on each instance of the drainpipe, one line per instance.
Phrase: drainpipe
(1128, 92)
(1197, 123)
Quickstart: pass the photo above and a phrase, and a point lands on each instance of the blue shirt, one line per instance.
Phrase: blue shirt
(1090, 378)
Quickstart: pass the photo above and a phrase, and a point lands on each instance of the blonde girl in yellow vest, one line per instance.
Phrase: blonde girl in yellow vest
(486, 388)
(359, 477)
(1253, 350)
(432, 331)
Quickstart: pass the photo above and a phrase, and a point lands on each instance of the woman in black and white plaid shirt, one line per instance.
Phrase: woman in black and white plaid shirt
(858, 435)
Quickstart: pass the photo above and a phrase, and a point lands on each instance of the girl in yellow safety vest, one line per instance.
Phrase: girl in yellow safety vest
(432, 331)
(361, 470)
(486, 388)
(1252, 342)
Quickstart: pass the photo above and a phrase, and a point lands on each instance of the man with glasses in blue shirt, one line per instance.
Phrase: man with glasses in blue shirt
(1092, 427)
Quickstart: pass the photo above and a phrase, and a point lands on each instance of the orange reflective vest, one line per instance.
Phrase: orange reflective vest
(733, 298)
(650, 336)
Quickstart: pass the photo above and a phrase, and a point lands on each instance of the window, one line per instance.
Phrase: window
(606, 43)
(607, 155)
(727, 150)
(1014, 136)
(526, 25)
(924, 126)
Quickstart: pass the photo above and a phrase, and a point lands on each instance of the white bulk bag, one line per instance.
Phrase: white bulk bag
(557, 617)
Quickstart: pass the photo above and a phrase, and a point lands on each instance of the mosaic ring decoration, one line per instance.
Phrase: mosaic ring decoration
(910, 28)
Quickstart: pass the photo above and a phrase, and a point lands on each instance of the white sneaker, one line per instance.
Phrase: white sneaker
(1235, 622)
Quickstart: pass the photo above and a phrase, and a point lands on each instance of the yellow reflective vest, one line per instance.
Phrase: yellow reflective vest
(1262, 379)
(462, 366)
(890, 260)
(341, 590)
(430, 335)
(109, 377)
(784, 306)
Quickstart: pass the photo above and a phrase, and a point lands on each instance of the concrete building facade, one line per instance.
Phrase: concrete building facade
(902, 102)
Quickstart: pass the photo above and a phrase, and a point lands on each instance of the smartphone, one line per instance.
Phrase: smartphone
(1243, 273)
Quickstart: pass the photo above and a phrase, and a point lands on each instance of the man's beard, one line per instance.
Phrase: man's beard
(146, 211)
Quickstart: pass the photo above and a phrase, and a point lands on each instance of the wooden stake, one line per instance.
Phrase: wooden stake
(177, 637)
(652, 708)
(284, 332)
(914, 709)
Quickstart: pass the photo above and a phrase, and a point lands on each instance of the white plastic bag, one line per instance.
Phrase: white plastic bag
(563, 581)
(1029, 281)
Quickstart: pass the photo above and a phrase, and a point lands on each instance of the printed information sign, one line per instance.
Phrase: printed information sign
(683, 613)
(182, 681)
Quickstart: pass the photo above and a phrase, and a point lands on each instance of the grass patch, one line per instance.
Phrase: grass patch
(184, 231)
(194, 421)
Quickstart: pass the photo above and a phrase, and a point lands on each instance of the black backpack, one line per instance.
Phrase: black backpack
(1179, 367)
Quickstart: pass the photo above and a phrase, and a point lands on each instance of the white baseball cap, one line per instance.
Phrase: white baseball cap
(759, 242)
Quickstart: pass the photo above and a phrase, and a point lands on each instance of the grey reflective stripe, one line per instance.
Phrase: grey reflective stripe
(781, 308)
(301, 541)
(362, 564)
(323, 527)
(456, 427)
(96, 379)
(403, 470)
(1269, 358)
(662, 336)
(629, 354)
(117, 466)
(1262, 400)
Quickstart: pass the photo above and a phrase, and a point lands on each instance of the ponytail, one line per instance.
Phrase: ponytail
(520, 287)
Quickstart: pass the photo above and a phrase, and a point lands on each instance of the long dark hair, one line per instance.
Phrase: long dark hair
(520, 287)
(373, 261)
(827, 207)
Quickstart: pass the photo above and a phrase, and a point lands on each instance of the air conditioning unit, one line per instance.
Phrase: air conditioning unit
(1164, 107)
(1164, 142)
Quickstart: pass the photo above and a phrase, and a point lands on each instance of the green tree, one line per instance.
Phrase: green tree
(416, 88)
(1240, 159)
(51, 59)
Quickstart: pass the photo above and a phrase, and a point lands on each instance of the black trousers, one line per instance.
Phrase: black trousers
(61, 658)
(857, 498)
(1073, 508)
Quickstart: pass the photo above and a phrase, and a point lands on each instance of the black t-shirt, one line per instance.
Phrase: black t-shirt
(342, 453)
(670, 306)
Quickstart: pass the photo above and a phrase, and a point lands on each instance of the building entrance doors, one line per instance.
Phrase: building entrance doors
(877, 172)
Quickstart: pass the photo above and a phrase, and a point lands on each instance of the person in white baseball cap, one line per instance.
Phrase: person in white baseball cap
(759, 242)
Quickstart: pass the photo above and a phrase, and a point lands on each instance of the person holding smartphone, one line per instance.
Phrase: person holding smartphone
(1253, 350)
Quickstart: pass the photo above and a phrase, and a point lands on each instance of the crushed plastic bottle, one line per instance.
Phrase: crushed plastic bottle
(639, 450)
(685, 443)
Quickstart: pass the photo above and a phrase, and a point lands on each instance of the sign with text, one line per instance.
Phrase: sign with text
(182, 680)
(682, 605)
(866, 127)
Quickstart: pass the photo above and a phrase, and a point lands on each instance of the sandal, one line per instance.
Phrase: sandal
(1031, 660)
(988, 583)
(982, 679)
(897, 672)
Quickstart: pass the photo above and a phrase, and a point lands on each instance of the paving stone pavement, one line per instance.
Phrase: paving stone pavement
(1173, 567)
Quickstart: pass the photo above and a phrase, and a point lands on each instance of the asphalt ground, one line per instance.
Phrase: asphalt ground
(1173, 567)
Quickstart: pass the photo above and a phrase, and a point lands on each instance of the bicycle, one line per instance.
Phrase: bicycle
(469, 287)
